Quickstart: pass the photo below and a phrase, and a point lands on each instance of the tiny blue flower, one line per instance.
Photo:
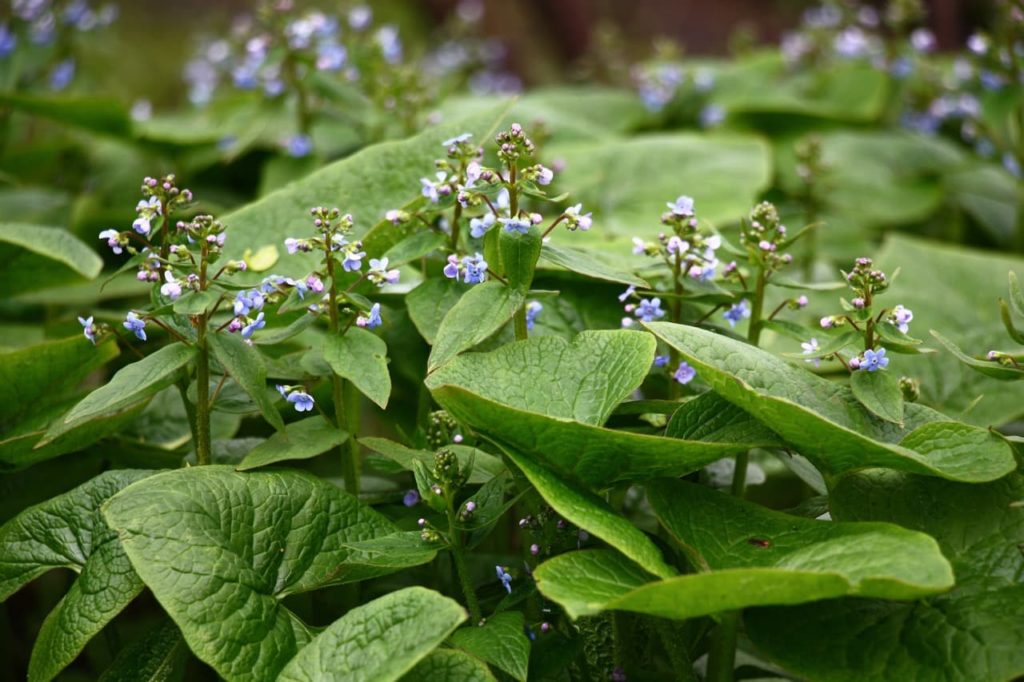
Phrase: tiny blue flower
(874, 360)
(476, 269)
(62, 74)
(660, 360)
(649, 310)
(8, 41)
(683, 206)
(451, 270)
(330, 56)
(389, 43)
(902, 317)
(353, 261)
(371, 319)
(113, 238)
(544, 175)
(533, 309)
(411, 499)
(458, 139)
(711, 116)
(478, 227)
(737, 312)
(142, 226)
(137, 326)
(360, 17)
(299, 145)
(810, 348)
(253, 325)
(303, 401)
(88, 328)
(684, 374)
(521, 225)
(627, 293)
(505, 578)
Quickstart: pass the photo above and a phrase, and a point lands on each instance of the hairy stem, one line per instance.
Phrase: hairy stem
(722, 655)
(202, 432)
(459, 558)
(349, 450)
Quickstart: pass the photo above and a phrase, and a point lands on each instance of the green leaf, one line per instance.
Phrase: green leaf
(195, 302)
(450, 665)
(832, 345)
(1004, 312)
(40, 375)
(955, 290)
(379, 641)
(221, 549)
(589, 265)
(746, 556)
(414, 247)
(371, 181)
(157, 656)
(880, 392)
(391, 552)
(519, 254)
(245, 365)
(303, 439)
(711, 418)
(481, 312)
(272, 337)
(1016, 295)
(984, 366)
(131, 384)
(586, 510)
(97, 114)
(971, 633)
(429, 302)
(485, 465)
(37, 257)
(68, 531)
(500, 641)
(824, 420)
(361, 357)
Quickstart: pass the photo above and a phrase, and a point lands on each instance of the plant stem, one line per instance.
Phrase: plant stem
(676, 650)
(722, 655)
(676, 311)
(349, 451)
(519, 322)
(757, 309)
(458, 557)
(202, 432)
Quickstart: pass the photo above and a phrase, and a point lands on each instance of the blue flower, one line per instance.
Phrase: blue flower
(299, 145)
(660, 360)
(451, 270)
(684, 374)
(371, 319)
(247, 301)
(630, 290)
(458, 139)
(711, 115)
(113, 238)
(88, 328)
(533, 309)
(874, 360)
(520, 225)
(478, 227)
(389, 43)
(683, 206)
(360, 17)
(737, 312)
(411, 499)
(476, 269)
(578, 220)
(544, 175)
(250, 329)
(901, 317)
(649, 310)
(62, 74)
(505, 578)
(353, 260)
(330, 56)
(8, 41)
(810, 348)
(302, 401)
(137, 326)
(171, 287)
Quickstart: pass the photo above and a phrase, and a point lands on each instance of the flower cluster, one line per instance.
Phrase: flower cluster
(471, 269)
(763, 236)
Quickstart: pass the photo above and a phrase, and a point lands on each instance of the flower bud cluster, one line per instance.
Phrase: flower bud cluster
(764, 235)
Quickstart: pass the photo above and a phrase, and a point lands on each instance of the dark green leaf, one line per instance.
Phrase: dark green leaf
(880, 392)
(584, 263)
(481, 312)
(500, 641)
(303, 439)
(361, 357)
(245, 365)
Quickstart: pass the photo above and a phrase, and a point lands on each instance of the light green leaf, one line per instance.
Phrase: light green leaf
(501, 641)
(880, 392)
(450, 665)
(303, 439)
(157, 656)
(365, 184)
(221, 549)
(195, 302)
(361, 357)
(519, 254)
(429, 302)
(746, 556)
(955, 290)
(1016, 294)
(589, 265)
(584, 509)
(971, 633)
(414, 247)
(245, 365)
(131, 384)
(711, 418)
(481, 312)
(379, 641)
(272, 337)
(37, 257)
(97, 114)
(984, 366)
(824, 420)
(485, 465)
(68, 531)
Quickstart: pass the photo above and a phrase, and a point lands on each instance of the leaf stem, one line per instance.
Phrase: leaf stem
(348, 451)
(459, 559)
(722, 655)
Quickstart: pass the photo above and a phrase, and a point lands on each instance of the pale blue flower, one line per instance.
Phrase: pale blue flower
(505, 578)
(874, 360)
(255, 324)
(737, 312)
(62, 74)
(451, 270)
(458, 139)
(113, 238)
(684, 374)
(371, 319)
(302, 401)
(353, 261)
(520, 225)
(88, 328)
(683, 206)
(533, 309)
(299, 145)
(476, 269)
(136, 325)
(902, 317)
(171, 288)
(649, 310)
(478, 227)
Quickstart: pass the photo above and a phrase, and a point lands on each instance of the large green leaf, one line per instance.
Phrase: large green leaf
(450, 665)
(826, 422)
(37, 257)
(68, 531)
(589, 265)
(589, 512)
(131, 384)
(89, 112)
(546, 397)
(975, 632)
(485, 465)
(157, 656)
(303, 439)
(221, 549)
(361, 357)
(245, 365)
(481, 312)
(365, 184)
(955, 290)
(746, 556)
(711, 418)
(429, 302)
(501, 641)
(379, 641)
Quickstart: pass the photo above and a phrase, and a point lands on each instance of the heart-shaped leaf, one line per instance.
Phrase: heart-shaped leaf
(245, 365)
(361, 357)
(478, 314)
(303, 439)
(500, 641)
